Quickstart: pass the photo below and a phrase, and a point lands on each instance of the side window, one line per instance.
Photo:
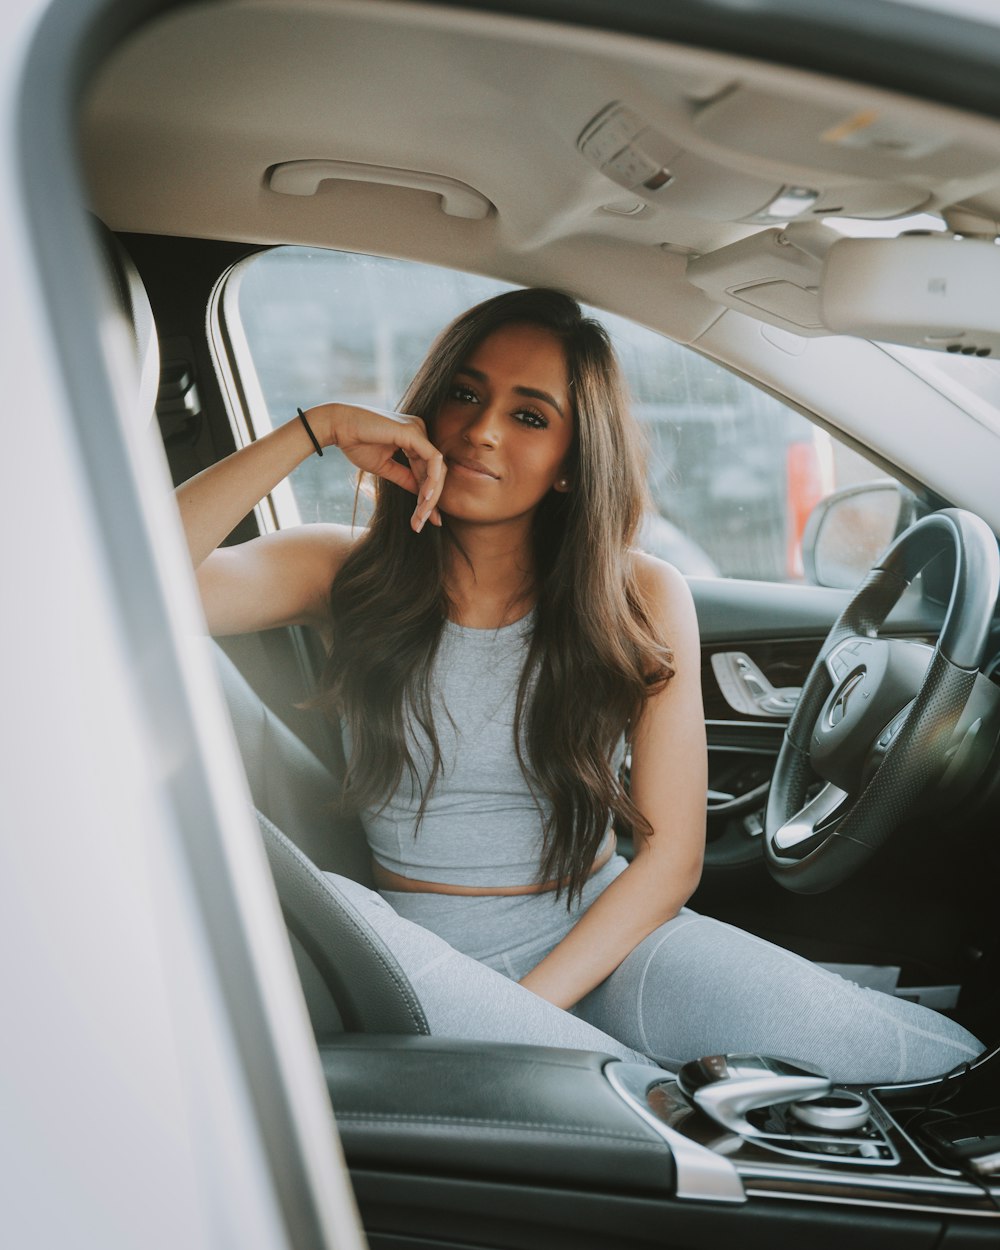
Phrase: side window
(734, 474)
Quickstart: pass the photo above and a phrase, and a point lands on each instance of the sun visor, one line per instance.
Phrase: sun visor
(933, 290)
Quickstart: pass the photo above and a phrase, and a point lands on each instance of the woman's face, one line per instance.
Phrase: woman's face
(506, 426)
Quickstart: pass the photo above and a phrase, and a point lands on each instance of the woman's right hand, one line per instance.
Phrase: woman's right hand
(371, 439)
(284, 578)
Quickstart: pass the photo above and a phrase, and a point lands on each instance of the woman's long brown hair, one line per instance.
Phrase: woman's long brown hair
(593, 658)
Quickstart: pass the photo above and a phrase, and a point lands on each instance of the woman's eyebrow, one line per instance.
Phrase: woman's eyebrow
(530, 392)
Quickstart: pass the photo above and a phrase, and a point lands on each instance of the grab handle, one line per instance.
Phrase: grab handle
(305, 177)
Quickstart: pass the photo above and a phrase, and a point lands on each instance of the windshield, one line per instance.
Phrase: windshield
(970, 383)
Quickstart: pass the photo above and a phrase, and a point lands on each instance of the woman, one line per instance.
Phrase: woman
(490, 650)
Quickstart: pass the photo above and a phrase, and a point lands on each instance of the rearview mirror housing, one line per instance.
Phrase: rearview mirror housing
(923, 290)
(926, 289)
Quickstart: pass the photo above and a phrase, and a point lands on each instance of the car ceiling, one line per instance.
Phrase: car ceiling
(186, 120)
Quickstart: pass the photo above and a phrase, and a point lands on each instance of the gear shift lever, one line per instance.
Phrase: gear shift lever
(726, 1087)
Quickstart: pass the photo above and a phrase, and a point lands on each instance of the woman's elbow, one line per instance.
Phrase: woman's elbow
(683, 884)
(691, 882)
(674, 886)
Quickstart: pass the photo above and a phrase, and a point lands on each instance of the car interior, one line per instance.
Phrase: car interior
(760, 213)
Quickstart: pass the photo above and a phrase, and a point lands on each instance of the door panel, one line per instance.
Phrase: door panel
(730, 610)
(779, 629)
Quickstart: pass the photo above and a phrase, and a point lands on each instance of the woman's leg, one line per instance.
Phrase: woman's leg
(464, 999)
(699, 987)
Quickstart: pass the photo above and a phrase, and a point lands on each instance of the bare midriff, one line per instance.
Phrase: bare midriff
(387, 880)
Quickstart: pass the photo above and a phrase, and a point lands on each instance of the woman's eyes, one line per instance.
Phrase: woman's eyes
(530, 417)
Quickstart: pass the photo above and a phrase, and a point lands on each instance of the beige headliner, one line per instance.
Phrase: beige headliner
(187, 118)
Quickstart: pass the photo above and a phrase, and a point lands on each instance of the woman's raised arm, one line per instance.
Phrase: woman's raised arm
(284, 578)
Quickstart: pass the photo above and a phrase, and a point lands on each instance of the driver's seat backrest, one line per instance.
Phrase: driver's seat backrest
(289, 784)
(350, 978)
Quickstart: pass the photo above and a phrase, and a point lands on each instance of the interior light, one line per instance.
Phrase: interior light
(789, 203)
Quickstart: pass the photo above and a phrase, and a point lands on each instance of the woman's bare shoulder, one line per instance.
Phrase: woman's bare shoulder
(657, 578)
(667, 596)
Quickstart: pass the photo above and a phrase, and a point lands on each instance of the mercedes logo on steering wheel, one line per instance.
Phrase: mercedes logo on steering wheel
(838, 708)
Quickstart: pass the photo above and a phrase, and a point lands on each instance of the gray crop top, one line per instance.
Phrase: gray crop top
(482, 826)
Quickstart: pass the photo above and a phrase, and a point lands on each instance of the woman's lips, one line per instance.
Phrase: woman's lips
(472, 468)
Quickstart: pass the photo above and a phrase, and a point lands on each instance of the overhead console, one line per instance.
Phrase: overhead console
(667, 173)
(754, 158)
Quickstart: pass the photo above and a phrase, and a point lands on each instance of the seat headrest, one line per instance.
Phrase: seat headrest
(135, 314)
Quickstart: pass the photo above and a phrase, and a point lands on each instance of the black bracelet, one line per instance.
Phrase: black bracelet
(315, 440)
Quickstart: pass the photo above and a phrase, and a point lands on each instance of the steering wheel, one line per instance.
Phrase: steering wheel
(877, 717)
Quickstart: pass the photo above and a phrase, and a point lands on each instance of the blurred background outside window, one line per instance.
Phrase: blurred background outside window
(733, 472)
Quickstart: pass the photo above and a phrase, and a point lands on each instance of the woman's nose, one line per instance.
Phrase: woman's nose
(483, 427)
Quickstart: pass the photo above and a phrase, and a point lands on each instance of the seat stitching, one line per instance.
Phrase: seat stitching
(388, 1118)
(321, 889)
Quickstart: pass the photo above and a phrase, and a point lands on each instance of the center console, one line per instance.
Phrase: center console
(490, 1145)
(740, 1126)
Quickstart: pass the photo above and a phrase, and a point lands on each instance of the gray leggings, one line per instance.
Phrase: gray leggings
(694, 987)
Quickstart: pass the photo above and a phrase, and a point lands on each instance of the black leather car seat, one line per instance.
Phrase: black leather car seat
(350, 978)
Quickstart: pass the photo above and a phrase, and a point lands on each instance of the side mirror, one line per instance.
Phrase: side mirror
(848, 531)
